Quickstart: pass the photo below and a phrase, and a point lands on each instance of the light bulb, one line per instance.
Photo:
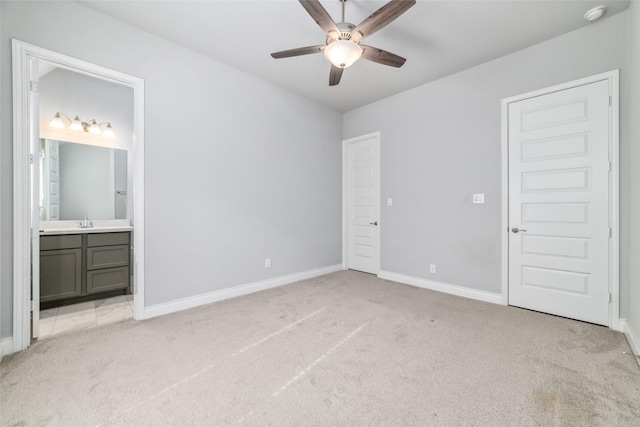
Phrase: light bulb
(57, 122)
(108, 132)
(94, 128)
(342, 53)
(76, 124)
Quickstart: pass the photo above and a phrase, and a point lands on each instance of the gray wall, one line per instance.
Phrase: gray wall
(633, 315)
(237, 169)
(441, 143)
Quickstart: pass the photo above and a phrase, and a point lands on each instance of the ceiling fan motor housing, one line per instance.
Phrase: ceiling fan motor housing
(345, 32)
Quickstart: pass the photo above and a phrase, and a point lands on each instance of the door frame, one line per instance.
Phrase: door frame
(22, 54)
(345, 198)
(612, 77)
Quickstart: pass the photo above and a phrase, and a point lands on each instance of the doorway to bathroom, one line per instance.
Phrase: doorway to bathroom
(79, 193)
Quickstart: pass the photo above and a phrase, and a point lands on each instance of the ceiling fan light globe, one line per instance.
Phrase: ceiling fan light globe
(342, 53)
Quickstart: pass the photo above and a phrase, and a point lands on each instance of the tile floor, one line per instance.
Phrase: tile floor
(85, 315)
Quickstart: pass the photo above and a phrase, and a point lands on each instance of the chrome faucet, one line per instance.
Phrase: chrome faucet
(86, 223)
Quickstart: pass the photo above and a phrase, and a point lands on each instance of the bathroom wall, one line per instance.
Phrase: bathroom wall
(71, 93)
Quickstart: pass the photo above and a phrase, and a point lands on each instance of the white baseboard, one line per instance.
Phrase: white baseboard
(442, 287)
(236, 291)
(6, 346)
(619, 326)
(633, 336)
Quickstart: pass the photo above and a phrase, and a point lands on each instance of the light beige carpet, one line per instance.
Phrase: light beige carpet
(342, 349)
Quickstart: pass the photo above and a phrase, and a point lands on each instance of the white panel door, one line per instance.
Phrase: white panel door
(559, 203)
(363, 203)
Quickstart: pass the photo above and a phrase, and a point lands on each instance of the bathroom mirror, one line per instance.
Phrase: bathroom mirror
(81, 180)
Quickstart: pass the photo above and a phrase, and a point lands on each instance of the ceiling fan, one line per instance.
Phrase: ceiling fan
(342, 47)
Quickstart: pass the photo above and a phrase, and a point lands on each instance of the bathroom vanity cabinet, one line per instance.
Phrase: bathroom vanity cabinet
(83, 267)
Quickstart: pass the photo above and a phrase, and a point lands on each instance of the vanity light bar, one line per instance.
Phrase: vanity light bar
(92, 126)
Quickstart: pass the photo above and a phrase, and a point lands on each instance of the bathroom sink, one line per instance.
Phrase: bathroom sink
(84, 230)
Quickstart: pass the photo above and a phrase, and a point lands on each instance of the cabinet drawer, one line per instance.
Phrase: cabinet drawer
(108, 279)
(107, 257)
(107, 239)
(60, 274)
(61, 241)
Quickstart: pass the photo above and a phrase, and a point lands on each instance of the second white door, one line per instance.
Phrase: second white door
(362, 198)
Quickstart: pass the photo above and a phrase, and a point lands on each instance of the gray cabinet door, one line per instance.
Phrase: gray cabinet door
(107, 279)
(108, 239)
(60, 274)
(60, 241)
(107, 257)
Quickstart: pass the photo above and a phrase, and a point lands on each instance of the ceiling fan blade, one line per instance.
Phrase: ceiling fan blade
(380, 18)
(334, 75)
(320, 15)
(382, 56)
(298, 51)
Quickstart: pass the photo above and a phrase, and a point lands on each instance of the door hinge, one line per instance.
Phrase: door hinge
(609, 101)
(610, 232)
(610, 166)
(34, 86)
(30, 159)
(609, 297)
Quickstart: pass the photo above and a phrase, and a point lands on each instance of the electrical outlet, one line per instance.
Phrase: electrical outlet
(478, 198)
(267, 263)
(432, 268)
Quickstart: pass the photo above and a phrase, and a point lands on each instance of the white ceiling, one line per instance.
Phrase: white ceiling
(438, 38)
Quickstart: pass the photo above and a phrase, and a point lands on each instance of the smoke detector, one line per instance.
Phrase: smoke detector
(595, 13)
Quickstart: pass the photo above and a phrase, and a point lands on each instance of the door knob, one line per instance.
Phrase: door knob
(373, 223)
(517, 230)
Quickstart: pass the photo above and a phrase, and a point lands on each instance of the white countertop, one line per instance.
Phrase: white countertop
(83, 230)
(73, 227)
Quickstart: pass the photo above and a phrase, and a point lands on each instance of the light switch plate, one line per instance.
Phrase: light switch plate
(478, 198)
(389, 201)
